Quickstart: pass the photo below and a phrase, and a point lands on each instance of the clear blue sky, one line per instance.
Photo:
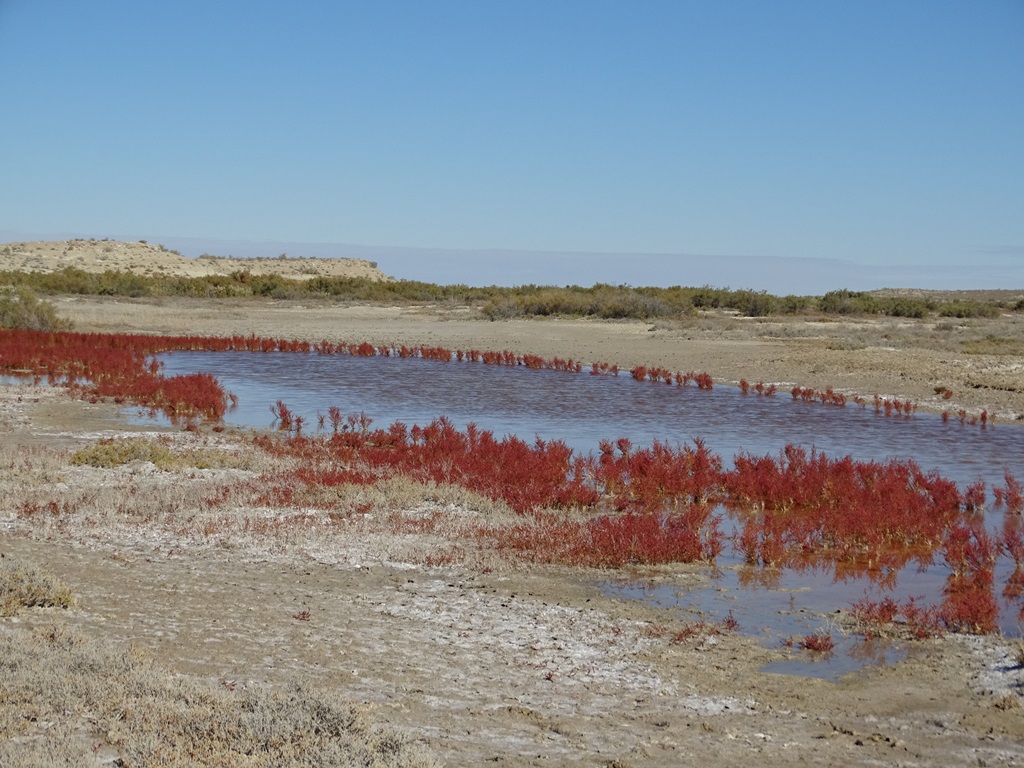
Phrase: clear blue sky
(873, 133)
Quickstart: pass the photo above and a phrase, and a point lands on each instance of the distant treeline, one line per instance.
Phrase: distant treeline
(603, 301)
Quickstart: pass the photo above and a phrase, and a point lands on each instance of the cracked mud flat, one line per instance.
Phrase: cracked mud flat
(505, 665)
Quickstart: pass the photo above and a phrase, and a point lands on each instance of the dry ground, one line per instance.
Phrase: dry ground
(483, 661)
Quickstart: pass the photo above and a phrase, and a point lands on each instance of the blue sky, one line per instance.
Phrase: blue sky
(793, 146)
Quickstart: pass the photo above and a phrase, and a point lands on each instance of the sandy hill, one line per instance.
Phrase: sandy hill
(993, 294)
(146, 259)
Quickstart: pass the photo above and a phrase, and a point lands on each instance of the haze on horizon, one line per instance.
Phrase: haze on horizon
(794, 147)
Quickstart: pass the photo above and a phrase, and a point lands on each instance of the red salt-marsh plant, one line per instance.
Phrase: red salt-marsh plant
(703, 629)
(115, 366)
(1010, 494)
(616, 540)
(660, 504)
(800, 504)
(818, 643)
(883, 617)
(970, 604)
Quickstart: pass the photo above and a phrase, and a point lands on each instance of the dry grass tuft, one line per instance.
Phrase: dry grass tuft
(108, 453)
(992, 344)
(1018, 653)
(23, 585)
(68, 700)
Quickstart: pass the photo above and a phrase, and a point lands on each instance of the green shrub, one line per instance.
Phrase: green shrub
(969, 309)
(707, 297)
(496, 302)
(758, 304)
(845, 302)
(795, 305)
(502, 309)
(21, 308)
(906, 308)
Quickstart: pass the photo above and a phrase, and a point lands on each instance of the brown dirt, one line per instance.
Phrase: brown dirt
(505, 664)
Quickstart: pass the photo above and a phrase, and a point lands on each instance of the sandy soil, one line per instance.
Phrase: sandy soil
(152, 260)
(504, 664)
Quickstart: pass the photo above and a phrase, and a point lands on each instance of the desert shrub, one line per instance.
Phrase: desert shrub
(795, 305)
(707, 297)
(758, 304)
(903, 307)
(21, 308)
(846, 302)
(498, 302)
(558, 301)
(604, 301)
(621, 303)
(502, 309)
(113, 283)
(23, 585)
(969, 309)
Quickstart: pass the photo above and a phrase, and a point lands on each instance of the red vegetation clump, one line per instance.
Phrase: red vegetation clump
(526, 477)
(616, 540)
(828, 397)
(970, 603)
(803, 505)
(702, 629)
(648, 479)
(819, 643)
(115, 366)
(1013, 544)
(658, 504)
(878, 618)
(655, 374)
(1010, 494)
